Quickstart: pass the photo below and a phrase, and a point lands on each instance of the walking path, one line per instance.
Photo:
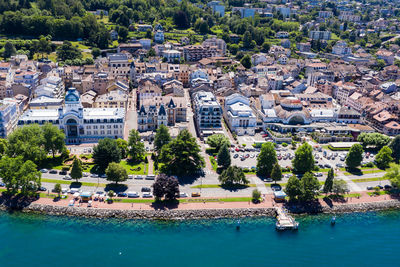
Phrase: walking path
(352, 185)
(150, 166)
(260, 185)
(198, 205)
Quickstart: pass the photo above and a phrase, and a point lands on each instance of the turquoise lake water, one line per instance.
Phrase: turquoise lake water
(362, 239)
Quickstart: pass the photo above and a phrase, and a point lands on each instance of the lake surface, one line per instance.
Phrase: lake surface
(361, 239)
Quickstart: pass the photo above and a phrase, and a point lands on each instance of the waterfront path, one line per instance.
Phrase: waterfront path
(199, 205)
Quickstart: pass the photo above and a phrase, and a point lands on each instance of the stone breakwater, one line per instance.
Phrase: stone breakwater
(177, 214)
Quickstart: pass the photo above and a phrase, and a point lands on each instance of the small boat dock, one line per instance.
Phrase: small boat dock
(284, 220)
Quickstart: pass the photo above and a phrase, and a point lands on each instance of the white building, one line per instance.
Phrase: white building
(172, 55)
(341, 49)
(8, 116)
(207, 113)
(159, 37)
(319, 35)
(52, 86)
(239, 115)
(79, 124)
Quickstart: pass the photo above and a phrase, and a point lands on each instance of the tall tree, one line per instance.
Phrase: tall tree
(303, 159)
(354, 157)
(233, 175)
(309, 186)
(123, 146)
(116, 173)
(57, 189)
(29, 178)
(9, 168)
(217, 141)
(384, 157)
(395, 147)
(293, 188)
(28, 142)
(68, 52)
(246, 61)
(3, 146)
(136, 146)
(76, 171)
(377, 140)
(224, 157)
(53, 139)
(105, 152)
(266, 159)
(9, 50)
(182, 155)
(161, 138)
(329, 181)
(392, 174)
(339, 187)
(166, 187)
(276, 173)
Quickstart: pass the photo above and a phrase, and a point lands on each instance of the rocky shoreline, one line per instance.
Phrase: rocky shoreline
(176, 214)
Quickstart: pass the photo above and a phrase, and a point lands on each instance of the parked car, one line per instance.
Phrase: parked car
(268, 180)
(150, 177)
(53, 171)
(94, 175)
(387, 187)
(122, 194)
(138, 177)
(380, 187)
(130, 176)
(67, 177)
(340, 165)
(2, 184)
(276, 187)
(133, 194)
(44, 170)
(103, 176)
(146, 189)
(195, 194)
(235, 156)
(85, 174)
(42, 188)
(147, 195)
(62, 173)
(183, 194)
(370, 187)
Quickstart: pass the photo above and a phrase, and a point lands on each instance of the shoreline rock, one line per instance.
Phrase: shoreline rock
(201, 213)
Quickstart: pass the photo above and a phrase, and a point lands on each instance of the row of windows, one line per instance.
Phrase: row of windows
(102, 127)
(102, 120)
(103, 132)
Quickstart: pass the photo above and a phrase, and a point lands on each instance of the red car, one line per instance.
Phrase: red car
(265, 135)
(237, 149)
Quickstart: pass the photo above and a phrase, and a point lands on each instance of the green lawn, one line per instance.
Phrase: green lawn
(345, 195)
(366, 180)
(80, 45)
(213, 163)
(364, 172)
(53, 163)
(131, 168)
(54, 181)
(378, 193)
(189, 200)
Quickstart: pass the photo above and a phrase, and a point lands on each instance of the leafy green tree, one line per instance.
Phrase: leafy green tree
(392, 174)
(151, 52)
(3, 146)
(68, 52)
(29, 178)
(303, 159)
(373, 139)
(76, 171)
(276, 173)
(57, 189)
(246, 61)
(266, 159)
(233, 175)
(28, 142)
(96, 52)
(110, 194)
(384, 157)
(116, 173)
(166, 187)
(224, 157)
(339, 187)
(293, 188)
(217, 141)
(136, 146)
(182, 155)
(354, 157)
(329, 181)
(256, 195)
(309, 186)
(161, 138)
(9, 50)
(395, 147)
(54, 139)
(247, 40)
(149, 35)
(105, 152)
(123, 33)
(265, 47)
(123, 147)
(9, 169)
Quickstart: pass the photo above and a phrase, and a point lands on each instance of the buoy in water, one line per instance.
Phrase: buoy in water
(238, 225)
(333, 220)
